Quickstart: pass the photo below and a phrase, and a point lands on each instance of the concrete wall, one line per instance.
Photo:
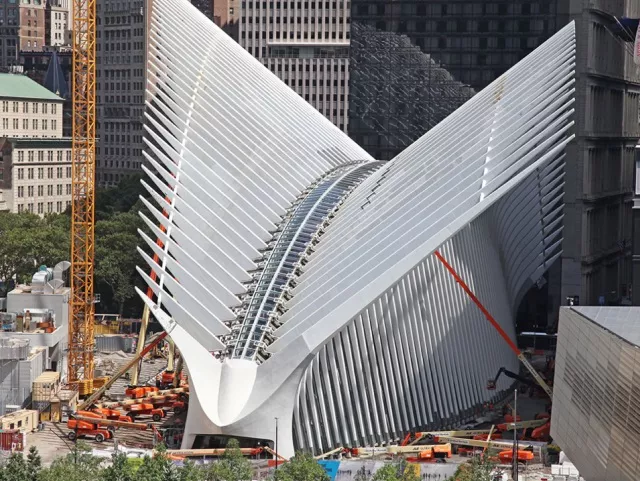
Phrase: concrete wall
(17, 376)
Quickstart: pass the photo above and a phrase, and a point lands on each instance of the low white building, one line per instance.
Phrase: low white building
(35, 159)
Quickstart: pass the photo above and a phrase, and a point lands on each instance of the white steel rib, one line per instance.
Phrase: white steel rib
(295, 273)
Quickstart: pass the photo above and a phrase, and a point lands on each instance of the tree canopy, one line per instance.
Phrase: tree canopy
(28, 241)
(80, 465)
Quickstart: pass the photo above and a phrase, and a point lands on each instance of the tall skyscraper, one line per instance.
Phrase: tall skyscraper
(475, 42)
(596, 262)
(399, 45)
(58, 21)
(305, 43)
(121, 88)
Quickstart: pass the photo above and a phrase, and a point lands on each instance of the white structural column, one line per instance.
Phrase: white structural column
(296, 274)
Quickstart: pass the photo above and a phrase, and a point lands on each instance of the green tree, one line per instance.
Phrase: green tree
(301, 467)
(233, 466)
(78, 465)
(120, 469)
(27, 241)
(116, 257)
(15, 469)
(478, 469)
(34, 463)
(122, 198)
(397, 471)
(191, 472)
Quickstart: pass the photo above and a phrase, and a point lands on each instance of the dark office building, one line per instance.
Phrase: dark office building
(397, 46)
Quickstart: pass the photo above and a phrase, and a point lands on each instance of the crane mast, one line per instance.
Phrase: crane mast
(81, 340)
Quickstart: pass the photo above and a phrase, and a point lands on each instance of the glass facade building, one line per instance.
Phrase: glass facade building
(473, 41)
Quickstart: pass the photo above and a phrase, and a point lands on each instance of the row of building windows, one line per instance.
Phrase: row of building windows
(31, 172)
(424, 9)
(35, 106)
(297, 5)
(297, 20)
(462, 26)
(25, 124)
(59, 207)
(59, 155)
(40, 189)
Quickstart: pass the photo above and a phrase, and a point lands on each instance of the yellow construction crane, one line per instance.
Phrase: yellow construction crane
(81, 341)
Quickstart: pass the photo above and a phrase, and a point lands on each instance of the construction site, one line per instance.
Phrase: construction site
(68, 373)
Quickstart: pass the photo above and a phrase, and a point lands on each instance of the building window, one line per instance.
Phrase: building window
(30, 173)
(30, 208)
(49, 207)
(21, 156)
(35, 108)
(30, 156)
(25, 124)
(68, 172)
(68, 156)
(40, 172)
(49, 190)
(59, 206)
(53, 108)
(20, 208)
(20, 191)
(59, 189)
(30, 190)
(44, 124)
(59, 172)
(41, 156)
(40, 192)
(35, 124)
(25, 107)
(59, 155)
(50, 173)
(44, 108)
(20, 174)
(40, 208)
(50, 155)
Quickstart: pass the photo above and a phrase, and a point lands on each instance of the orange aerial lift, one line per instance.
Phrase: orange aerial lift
(145, 409)
(539, 379)
(88, 423)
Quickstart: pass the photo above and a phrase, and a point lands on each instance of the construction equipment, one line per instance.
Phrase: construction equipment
(506, 456)
(160, 396)
(145, 409)
(492, 383)
(522, 424)
(81, 341)
(329, 453)
(499, 445)
(88, 423)
(539, 379)
(97, 394)
(195, 453)
(415, 437)
(111, 414)
(140, 391)
(425, 453)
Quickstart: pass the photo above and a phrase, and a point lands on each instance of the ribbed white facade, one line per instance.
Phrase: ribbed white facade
(295, 272)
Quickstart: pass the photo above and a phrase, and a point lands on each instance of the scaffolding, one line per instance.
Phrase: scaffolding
(396, 91)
